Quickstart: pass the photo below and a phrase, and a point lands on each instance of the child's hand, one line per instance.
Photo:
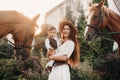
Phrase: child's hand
(51, 52)
(51, 49)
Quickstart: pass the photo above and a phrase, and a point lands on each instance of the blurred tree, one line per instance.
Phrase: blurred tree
(6, 50)
(39, 42)
(97, 1)
(69, 14)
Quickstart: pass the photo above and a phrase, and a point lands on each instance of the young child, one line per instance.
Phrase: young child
(51, 43)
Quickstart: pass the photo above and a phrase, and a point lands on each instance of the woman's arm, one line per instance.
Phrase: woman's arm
(58, 58)
(66, 52)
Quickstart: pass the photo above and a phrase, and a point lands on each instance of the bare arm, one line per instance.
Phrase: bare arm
(58, 58)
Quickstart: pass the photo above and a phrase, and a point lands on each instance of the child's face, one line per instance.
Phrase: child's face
(52, 33)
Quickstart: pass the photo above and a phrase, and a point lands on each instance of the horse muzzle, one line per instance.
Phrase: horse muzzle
(88, 37)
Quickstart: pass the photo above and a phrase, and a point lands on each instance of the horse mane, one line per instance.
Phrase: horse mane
(109, 13)
(12, 16)
(90, 9)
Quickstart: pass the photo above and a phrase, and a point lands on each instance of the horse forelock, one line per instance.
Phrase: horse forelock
(91, 9)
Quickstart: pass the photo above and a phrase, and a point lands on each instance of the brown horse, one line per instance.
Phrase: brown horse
(99, 17)
(22, 28)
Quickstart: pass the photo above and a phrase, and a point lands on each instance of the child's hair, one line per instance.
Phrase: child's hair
(51, 28)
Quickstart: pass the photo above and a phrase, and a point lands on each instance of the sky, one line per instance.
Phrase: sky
(29, 7)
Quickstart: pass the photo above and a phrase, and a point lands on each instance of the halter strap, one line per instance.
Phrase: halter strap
(94, 27)
(18, 47)
(100, 33)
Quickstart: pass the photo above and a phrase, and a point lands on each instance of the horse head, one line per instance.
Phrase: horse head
(95, 20)
(24, 37)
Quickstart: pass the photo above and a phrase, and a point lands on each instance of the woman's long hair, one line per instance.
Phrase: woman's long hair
(75, 57)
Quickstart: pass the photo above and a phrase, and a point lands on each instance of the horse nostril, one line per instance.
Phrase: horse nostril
(88, 37)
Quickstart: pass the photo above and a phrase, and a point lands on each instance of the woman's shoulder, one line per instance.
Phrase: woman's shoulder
(69, 42)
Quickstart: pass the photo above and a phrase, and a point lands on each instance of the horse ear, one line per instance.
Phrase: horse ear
(100, 4)
(36, 18)
(90, 4)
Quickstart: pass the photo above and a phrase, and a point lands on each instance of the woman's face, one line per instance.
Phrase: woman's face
(66, 31)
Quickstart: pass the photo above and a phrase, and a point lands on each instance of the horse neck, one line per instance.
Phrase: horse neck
(114, 24)
(113, 21)
(5, 29)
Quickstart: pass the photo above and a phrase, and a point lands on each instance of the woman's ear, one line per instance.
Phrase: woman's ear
(90, 4)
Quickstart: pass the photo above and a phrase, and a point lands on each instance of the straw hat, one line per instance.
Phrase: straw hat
(69, 23)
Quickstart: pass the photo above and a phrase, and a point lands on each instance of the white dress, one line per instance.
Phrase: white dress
(62, 72)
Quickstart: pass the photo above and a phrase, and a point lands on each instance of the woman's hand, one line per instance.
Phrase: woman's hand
(51, 49)
(51, 57)
(51, 52)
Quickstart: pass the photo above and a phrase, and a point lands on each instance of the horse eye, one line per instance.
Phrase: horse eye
(95, 16)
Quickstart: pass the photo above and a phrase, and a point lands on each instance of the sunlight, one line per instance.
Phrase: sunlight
(40, 22)
(30, 8)
(38, 30)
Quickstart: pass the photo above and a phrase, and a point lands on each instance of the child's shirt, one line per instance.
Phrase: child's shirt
(47, 42)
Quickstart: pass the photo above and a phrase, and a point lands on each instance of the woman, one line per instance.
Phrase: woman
(68, 52)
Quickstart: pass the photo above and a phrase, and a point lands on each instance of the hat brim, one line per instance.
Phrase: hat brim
(69, 23)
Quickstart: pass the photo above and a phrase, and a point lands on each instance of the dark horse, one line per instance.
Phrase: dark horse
(22, 28)
(99, 17)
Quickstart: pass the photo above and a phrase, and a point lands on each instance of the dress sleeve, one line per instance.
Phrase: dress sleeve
(69, 47)
(47, 43)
